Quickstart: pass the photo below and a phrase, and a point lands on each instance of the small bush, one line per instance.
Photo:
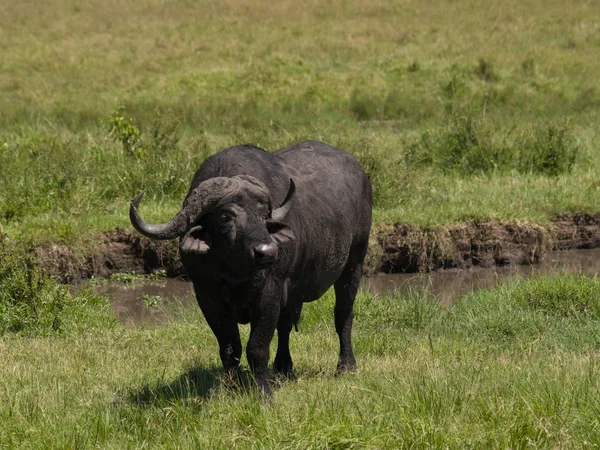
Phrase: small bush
(528, 66)
(548, 149)
(387, 177)
(124, 130)
(465, 147)
(29, 302)
(414, 67)
(462, 149)
(485, 70)
(33, 304)
(468, 146)
(366, 105)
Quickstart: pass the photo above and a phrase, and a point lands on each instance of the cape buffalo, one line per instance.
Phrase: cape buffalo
(253, 262)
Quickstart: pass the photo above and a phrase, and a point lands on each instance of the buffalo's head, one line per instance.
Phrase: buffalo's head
(229, 221)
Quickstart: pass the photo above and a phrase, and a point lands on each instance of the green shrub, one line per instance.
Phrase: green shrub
(33, 304)
(465, 146)
(548, 149)
(468, 146)
(366, 105)
(387, 176)
(125, 131)
(485, 70)
(29, 302)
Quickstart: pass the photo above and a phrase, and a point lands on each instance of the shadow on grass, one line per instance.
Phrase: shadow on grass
(193, 385)
(202, 382)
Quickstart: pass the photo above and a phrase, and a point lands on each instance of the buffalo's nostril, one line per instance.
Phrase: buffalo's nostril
(265, 253)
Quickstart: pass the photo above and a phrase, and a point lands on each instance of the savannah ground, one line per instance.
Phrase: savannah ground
(459, 111)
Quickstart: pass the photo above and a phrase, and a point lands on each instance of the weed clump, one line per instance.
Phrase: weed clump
(163, 135)
(486, 71)
(366, 105)
(124, 130)
(468, 146)
(463, 147)
(567, 296)
(549, 150)
(31, 303)
(387, 177)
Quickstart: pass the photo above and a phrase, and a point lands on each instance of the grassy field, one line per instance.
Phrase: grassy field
(458, 110)
(513, 367)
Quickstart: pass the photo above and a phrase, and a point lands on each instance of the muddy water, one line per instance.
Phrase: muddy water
(448, 285)
(150, 302)
(156, 301)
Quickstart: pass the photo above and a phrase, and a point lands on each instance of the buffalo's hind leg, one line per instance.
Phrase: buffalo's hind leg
(283, 359)
(346, 288)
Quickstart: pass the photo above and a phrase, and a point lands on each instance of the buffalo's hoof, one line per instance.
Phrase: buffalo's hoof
(346, 367)
(283, 367)
(231, 379)
(264, 389)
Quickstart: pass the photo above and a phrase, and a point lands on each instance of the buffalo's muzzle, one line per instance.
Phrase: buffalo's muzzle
(265, 254)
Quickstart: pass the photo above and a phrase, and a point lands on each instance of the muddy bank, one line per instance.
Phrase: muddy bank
(393, 249)
(119, 251)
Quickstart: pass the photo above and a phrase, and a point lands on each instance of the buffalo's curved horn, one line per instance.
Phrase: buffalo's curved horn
(200, 201)
(280, 213)
(170, 230)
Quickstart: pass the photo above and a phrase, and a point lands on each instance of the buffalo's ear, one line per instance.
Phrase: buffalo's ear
(280, 232)
(197, 241)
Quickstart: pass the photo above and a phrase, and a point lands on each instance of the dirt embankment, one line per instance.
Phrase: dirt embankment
(398, 248)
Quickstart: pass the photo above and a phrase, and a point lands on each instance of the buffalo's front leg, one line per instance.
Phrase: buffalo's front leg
(225, 329)
(262, 327)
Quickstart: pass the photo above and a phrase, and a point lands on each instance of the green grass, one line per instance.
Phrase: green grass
(512, 367)
(457, 111)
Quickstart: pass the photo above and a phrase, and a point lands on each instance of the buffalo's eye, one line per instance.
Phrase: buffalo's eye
(262, 211)
(225, 218)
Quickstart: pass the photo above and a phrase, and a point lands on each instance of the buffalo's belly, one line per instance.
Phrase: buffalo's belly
(311, 286)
